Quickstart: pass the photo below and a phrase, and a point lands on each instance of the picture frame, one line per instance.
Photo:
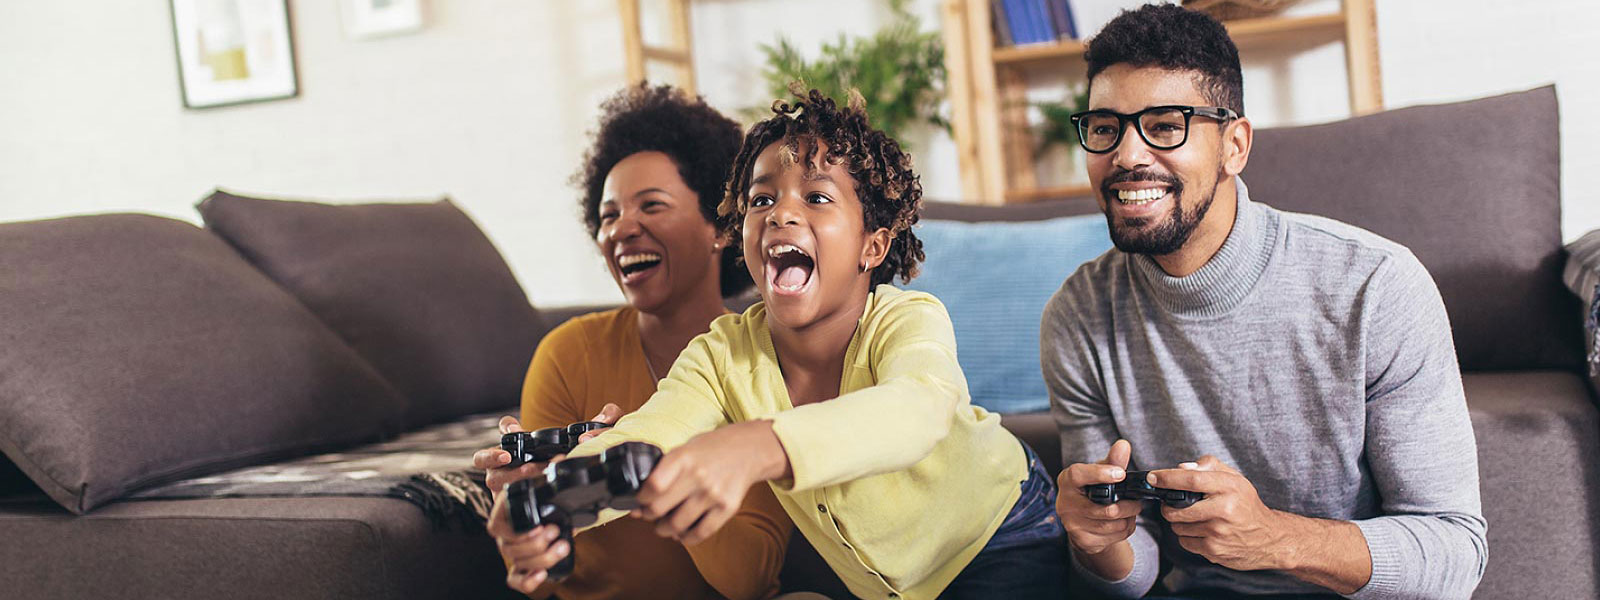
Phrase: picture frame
(233, 51)
(367, 19)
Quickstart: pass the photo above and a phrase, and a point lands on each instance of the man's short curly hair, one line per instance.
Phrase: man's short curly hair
(1174, 38)
(890, 191)
(699, 140)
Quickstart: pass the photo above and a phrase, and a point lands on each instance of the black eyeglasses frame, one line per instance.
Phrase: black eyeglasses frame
(1221, 114)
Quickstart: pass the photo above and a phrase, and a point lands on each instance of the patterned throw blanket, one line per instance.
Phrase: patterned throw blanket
(1582, 275)
(431, 468)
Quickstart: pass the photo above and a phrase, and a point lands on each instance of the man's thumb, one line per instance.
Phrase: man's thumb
(1119, 454)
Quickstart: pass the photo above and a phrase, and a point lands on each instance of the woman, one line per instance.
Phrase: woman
(651, 184)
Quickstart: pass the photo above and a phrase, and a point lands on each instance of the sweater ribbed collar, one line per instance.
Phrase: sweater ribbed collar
(1225, 280)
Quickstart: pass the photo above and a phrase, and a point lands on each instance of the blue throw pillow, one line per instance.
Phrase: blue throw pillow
(995, 279)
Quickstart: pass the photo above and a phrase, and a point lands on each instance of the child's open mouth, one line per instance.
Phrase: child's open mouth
(788, 268)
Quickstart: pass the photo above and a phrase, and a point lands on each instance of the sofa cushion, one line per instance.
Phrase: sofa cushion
(1472, 188)
(416, 289)
(994, 279)
(139, 349)
(1538, 435)
(325, 547)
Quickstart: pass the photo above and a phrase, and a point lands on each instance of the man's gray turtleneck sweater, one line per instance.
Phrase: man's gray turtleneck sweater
(1313, 356)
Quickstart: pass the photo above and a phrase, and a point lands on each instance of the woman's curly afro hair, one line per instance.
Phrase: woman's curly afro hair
(890, 191)
(699, 140)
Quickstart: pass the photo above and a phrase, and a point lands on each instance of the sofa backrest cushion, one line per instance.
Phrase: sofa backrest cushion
(137, 349)
(995, 278)
(1472, 188)
(415, 288)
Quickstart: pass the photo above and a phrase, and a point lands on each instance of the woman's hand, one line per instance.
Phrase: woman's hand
(528, 555)
(696, 488)
(491, 460)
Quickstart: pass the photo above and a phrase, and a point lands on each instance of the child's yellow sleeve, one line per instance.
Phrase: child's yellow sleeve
(911, 353)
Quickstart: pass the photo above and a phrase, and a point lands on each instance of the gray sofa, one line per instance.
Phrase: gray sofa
(1472, 188)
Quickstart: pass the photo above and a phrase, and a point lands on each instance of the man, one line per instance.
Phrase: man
(1297, 371)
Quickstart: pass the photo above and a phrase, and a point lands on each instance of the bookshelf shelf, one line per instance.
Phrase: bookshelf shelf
(1246, 33)
(988, 86)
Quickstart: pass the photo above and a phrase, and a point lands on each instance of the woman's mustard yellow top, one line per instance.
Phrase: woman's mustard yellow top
(579, 367)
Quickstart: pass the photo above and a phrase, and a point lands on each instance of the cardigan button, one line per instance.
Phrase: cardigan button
(822, 509)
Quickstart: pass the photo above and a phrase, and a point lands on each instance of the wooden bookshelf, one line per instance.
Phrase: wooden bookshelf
(988, 87)
(637, 54)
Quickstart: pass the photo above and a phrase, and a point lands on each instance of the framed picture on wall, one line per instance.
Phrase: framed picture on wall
(233, 51)
(364, 19)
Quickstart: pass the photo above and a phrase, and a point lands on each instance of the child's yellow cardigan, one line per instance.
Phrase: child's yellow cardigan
(898, 482)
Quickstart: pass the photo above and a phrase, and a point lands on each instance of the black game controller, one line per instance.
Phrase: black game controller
(573, 491)
(1134, 487)
(544, 444)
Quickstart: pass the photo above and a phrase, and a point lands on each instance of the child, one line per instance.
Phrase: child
(840, 391)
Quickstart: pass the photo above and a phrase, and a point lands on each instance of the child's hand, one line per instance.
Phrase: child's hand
(528, 555)
(696, 488)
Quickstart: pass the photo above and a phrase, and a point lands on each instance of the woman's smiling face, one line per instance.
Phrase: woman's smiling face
(658, 246)
(805, 240)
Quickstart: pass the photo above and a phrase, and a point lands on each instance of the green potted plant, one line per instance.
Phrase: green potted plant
(1057, 136)
(899, 71)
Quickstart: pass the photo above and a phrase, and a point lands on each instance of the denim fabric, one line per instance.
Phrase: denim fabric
(1027, 557)
(1203, 595)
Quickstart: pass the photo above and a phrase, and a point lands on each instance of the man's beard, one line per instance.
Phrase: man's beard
(1134, 237)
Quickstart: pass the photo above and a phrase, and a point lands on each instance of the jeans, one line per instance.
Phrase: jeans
(1027, 557)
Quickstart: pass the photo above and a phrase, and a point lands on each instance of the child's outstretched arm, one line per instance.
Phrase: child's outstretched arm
(893, 424)
(885, 427)
(743, 558)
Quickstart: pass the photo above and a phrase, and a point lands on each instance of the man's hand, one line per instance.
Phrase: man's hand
(528, 555)
(1093, 528)
(1231, 527)
(1099, 533)
(697, 487)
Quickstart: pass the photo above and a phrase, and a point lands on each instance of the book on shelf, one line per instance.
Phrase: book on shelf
(1061, 17)
(1002, 27)
(1021, 22)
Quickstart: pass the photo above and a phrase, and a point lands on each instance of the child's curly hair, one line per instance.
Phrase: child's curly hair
(890, 191)
(701, 142)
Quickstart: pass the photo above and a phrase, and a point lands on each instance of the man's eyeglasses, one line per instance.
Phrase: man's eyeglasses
(1162, 127)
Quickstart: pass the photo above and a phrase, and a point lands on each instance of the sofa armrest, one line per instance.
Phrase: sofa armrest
(1582, 275)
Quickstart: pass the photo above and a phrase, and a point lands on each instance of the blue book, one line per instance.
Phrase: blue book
(1016, 13)
(1043, 28)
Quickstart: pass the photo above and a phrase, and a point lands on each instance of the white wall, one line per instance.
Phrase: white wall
(489, 104)
(491, 101)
